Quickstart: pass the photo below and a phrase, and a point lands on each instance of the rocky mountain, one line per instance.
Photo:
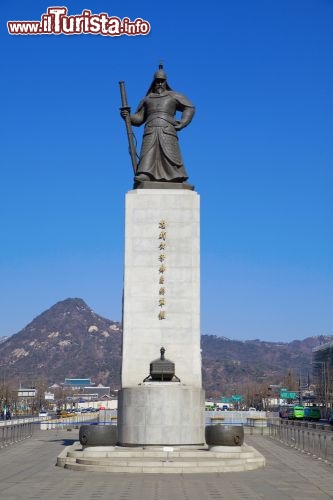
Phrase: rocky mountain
(67, 340)
(70, 340)
(231, 366)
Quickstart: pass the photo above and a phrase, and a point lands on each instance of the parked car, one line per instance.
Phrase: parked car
(64, 413)
(43, 414)
(283, 412)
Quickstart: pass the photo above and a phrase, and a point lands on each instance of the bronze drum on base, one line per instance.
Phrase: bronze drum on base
(98, 435)
(224, 435)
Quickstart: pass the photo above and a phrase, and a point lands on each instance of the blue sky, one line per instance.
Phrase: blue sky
(259, 151)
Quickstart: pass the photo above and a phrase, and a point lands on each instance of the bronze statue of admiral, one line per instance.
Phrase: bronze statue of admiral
(160, 158)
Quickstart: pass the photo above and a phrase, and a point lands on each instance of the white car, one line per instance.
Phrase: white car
(43, 414)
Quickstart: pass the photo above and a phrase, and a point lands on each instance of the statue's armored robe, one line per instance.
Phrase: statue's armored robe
(160, 156)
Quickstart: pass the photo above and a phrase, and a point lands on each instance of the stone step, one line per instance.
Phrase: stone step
(165, 468)
(158, 463)
(129, 460)
(171, 455)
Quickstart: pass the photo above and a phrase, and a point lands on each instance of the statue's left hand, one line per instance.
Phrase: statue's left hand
(178, 125)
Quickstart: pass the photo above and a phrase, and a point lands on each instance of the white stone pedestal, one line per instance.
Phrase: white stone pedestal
(161, 414)
(161, 308)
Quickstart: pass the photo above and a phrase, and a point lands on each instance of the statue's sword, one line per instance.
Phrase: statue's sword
(125, 106)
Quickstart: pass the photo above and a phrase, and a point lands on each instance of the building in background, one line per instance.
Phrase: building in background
(322, 373)
(80, 392)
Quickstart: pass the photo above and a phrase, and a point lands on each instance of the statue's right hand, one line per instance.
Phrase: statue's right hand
(124, 113)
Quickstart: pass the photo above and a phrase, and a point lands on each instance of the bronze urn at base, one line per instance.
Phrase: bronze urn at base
(98, 435)
(224, 435)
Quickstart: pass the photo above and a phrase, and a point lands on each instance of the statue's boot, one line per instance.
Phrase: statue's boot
(142, 177)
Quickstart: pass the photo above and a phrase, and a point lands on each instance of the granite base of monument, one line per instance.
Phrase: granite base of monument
(161, 414)
(161, 304)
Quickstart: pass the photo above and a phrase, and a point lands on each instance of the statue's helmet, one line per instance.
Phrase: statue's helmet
(160, 73)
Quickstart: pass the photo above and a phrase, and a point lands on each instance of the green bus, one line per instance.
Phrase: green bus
(312, 413)
(296, 412)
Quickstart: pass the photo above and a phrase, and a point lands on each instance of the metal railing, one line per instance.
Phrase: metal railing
(233, 417)
(67, 422)
(315, 442)
(13, 432)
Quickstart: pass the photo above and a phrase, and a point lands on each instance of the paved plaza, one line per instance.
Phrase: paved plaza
(28, 471)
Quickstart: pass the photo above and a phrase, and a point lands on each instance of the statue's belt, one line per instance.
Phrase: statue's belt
(163, 116)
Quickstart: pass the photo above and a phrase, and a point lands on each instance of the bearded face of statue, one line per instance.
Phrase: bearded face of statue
(159, 85)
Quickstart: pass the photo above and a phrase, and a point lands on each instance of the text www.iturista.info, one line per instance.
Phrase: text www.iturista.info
(56, 22)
